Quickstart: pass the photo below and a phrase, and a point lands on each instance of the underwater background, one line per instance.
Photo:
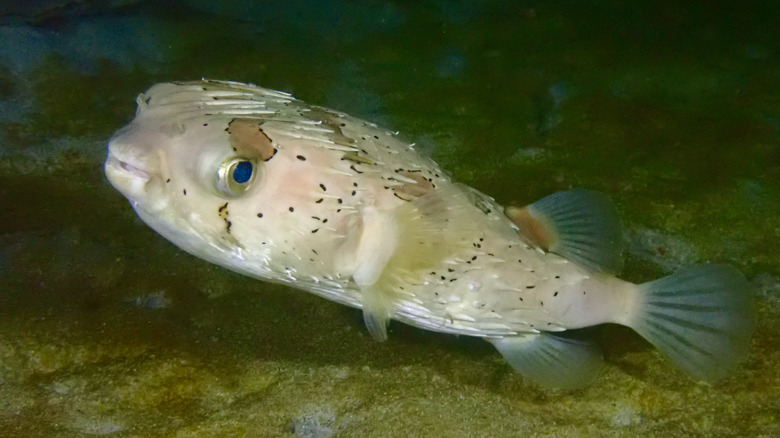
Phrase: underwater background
(671, 108)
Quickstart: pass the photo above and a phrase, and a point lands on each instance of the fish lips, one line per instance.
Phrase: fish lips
(127, 177)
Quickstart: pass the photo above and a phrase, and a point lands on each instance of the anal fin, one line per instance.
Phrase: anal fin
(551, 360)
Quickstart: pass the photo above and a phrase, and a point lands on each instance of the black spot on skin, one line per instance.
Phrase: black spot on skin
(325, 221)
(442, 277)
(222, 207)
(557, 276)
(583, 292)
(541, 302)
(521, 298)
(354, 193)
(555, 294)
(229, 224)
(260, 215)
(184, 191)
(318, 200)
(205, 124)
(291, 209)
(519, 261)
(474, 258)
(300, 157)
(340, 201)
(322, 186)
(167, 180)
(530, 287)
(272, 155)
(315, 230)
(354, 184)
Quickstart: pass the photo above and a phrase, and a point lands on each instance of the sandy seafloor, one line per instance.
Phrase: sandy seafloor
(107, 329)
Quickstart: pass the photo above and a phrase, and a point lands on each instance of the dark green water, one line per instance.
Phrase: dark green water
(106, 329)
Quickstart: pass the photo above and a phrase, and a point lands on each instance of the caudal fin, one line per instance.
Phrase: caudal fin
(699, 317)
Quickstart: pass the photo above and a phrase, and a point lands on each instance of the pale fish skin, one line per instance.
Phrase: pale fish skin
(268, 186)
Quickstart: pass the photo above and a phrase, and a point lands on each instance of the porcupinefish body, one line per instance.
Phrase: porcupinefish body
(265, 185)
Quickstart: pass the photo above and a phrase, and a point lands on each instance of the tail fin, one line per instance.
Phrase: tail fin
(699, 317)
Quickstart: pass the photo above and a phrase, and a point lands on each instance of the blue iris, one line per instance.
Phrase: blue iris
(242, 172)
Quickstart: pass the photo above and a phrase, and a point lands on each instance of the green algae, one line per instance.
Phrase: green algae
(682, 136)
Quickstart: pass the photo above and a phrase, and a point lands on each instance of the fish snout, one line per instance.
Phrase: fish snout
(129, 168)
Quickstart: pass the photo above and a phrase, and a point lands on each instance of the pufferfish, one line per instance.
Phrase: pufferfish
(268, 186)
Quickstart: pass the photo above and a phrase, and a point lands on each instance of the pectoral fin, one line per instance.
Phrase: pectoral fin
(376, 312)
(399, 245)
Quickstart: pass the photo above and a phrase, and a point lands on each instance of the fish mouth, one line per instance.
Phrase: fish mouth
(127, 176)
(133, 169)
(115, 166)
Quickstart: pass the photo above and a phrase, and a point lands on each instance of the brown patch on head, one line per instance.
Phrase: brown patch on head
(249, 139)
(535, 231)
(331, 120)
(409, 191)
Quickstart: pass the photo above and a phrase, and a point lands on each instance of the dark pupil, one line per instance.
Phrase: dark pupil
(242, 172)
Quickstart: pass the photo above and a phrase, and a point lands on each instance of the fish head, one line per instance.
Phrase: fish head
(194, 177)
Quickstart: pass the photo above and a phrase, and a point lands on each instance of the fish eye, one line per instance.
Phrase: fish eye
(235, 175)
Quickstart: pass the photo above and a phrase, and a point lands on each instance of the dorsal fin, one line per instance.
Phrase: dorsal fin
(579, 225)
